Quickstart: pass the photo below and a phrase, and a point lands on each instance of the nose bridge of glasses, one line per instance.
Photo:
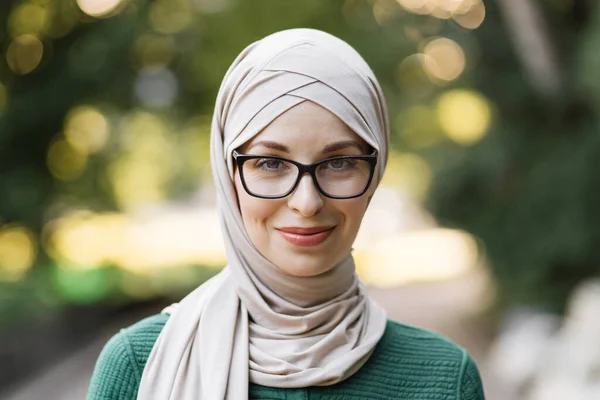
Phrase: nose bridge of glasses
(306, 196)
(309, 170)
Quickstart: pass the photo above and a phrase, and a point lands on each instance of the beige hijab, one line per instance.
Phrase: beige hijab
(253, 322)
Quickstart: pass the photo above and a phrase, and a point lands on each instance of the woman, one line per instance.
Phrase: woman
(299, 142)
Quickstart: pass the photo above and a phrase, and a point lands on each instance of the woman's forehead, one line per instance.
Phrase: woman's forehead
(306, 125)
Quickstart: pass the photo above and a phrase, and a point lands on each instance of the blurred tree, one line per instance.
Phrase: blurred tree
(529, 188)
(91, 62)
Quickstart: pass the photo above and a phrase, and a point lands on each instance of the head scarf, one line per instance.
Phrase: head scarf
(253, 322)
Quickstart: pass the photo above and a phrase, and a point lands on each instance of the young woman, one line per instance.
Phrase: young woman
(299, 143)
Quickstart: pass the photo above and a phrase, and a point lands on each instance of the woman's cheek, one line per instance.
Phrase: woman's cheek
(257, 215)
(354, 209)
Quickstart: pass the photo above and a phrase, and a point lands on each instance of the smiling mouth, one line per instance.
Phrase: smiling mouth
(306, 237)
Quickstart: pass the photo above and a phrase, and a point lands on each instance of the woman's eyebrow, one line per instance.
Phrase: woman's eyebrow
(270, 145)
(330, 148)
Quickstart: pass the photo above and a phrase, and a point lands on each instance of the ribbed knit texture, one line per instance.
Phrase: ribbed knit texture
(408, 363)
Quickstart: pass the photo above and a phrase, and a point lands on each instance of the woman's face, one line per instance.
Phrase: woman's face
(306, 133)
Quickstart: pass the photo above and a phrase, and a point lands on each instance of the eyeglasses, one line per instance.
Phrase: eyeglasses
(270, 177)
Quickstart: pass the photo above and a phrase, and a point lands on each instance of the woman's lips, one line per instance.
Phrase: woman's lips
(306, 237)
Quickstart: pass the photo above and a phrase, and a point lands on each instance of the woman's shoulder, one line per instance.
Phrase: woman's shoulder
(402, 337)
(142, 335)
(420, 360)
(121, 362)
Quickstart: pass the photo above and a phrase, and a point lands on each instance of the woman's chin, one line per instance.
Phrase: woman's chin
(304, 261)
(311, 267)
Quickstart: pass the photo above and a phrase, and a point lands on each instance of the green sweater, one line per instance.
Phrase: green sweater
(408, 363)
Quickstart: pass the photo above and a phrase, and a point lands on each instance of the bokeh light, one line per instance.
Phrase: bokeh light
(65, 162)
(385, 11)
(145, 165)
(409, 172)
(411, 73)
(99, 8)
(464, 115)
(415, 6)
(29, 18)
(467, 13)
(448, 57)
(418, 127)
(472, 15)
(24, 54)
(156, 87)
(65, 17)
(407, 257)
(86, 240)
(153, 50)
(195, 139)
(17, 251)
(86, 129)
(170, 16)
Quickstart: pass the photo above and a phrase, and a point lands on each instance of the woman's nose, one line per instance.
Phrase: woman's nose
(306, 199)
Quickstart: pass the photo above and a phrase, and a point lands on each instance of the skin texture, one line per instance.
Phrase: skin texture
(305, 130)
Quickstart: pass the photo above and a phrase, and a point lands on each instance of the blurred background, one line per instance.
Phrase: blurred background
(483, 229)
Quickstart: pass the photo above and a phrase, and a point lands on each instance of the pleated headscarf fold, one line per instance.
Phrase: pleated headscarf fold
(253, 322)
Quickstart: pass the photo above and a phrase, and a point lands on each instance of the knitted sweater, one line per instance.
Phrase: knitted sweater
(408, 363)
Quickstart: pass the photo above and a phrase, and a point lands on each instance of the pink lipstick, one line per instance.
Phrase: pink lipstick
(306, 237)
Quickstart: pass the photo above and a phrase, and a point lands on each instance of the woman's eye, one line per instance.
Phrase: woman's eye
(337, 164)
(268, 164)
(340, 164)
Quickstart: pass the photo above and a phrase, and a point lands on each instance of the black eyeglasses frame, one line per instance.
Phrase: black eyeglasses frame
(303, 170)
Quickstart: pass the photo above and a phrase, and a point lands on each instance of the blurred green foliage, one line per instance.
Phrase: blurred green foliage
(528, 189)
(531, 189)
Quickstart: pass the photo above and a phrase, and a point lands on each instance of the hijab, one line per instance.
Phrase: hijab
(253, 322)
